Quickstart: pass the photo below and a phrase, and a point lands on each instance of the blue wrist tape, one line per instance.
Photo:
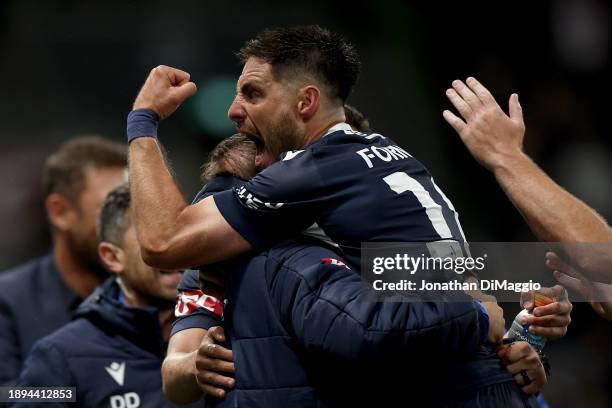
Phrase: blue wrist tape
(484, 321)
(141, 123)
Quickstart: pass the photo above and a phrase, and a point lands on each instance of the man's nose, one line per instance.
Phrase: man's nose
(236, 111)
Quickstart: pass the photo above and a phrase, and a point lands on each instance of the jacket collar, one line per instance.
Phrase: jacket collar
(140, 326)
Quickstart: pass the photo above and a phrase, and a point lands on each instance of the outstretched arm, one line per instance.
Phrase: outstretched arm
(496, 141)
(171, 233)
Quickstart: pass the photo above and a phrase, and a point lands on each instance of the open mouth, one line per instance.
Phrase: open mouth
(259, 143)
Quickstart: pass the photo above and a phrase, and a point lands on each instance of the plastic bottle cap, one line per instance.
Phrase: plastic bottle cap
(541, 300)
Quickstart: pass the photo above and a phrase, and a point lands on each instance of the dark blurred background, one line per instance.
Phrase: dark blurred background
(72, 67)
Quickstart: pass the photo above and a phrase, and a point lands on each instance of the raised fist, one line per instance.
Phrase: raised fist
(165, 90)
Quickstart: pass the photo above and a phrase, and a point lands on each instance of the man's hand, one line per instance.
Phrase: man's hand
(523, 362)
(599, 295)
(165, 90)
(488, 133)
(550, 321)
(211, 360)
(497, 324)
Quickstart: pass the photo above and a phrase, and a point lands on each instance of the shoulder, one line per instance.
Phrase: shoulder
(299, 256)
(62, 340)
(17, 273)
(294, 178)
(16, 280)
(291, 164)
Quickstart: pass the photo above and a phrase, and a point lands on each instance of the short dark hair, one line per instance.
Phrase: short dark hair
(325, 55)
(356, 119)
(114, 216)
(64, 170)
(234, 155)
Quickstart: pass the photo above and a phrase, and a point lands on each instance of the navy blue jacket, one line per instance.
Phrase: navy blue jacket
(304, 334)
(34, 302)
(111, 353)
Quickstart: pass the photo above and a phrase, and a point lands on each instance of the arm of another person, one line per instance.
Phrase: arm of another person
(195, 365)
(496, 141)
(328, 309)
(599, 295)
(187, 371)
(171, 233)
(179, 371)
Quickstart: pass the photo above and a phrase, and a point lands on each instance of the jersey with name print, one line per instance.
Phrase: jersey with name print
(347, 188)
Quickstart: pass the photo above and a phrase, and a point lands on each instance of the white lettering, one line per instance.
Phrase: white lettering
(393, 153)
(127, 400)
(399, 151)
(365, 157)
(377, 267)
(386, 154)
(387, 157)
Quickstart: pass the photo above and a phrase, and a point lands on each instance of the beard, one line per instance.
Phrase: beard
(86, 254)
(283, 136)
(140, 289)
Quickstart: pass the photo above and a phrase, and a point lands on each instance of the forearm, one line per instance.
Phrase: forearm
(179, 381)
(172, 234)
(156, 198)
(553, 214)
(400, 330)
(377, 329)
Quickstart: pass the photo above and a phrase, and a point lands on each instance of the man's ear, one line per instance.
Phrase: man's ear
(112, 257)
(309, 100)
(61, 212)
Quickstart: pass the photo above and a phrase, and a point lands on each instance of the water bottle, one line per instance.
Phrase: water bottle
(521, 332)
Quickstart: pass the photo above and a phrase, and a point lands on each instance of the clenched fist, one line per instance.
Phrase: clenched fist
(165, 90)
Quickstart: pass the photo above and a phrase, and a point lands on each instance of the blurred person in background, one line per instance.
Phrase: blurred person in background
(113, 350)
(553, 214)
(38, 297)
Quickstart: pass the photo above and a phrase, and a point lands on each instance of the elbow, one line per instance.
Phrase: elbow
(154, 251)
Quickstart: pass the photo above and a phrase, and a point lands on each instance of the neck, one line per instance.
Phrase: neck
(321, 127)
(78, 276)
